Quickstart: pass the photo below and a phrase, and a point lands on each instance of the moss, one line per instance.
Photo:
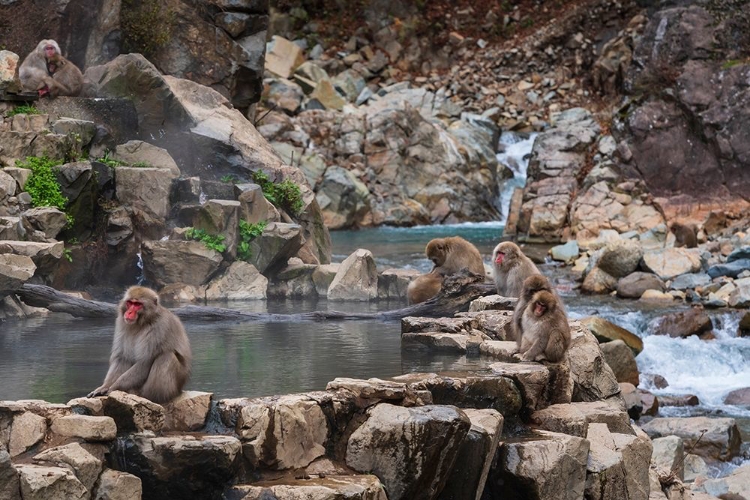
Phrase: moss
(146, 25)
(23, 110)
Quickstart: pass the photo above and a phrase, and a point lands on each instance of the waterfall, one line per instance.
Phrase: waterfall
(514, 153)
(140, 278)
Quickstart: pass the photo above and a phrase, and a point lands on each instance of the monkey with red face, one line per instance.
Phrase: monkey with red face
(545, 331)
(47, 72)
(511, 267)
(151, 354)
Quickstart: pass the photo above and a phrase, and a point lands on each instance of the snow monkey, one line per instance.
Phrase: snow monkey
(546, 333)
(684, 234)
(424, 287)
(46, 71)
(511, 267)
(151, 354)
(452, 254)
(531, 285)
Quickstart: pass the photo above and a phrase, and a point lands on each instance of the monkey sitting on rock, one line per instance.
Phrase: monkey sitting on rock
(47, 72)
(510, 268)
(540, 323)
(151, 354)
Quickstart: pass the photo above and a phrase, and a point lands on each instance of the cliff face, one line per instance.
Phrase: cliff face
(215, 43)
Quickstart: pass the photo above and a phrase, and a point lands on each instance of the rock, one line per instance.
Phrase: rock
(620, 358)
(85, 465)
(48, 220)
(285, 95)
(85, 427)
(492, 303)
(669, 455)
(424, 324)
(349, 83)
(116, 485)
(598, 282)
(47, 483)
(738, 397)
(544, 466)
(357, 279)
(737, 483)
(475, 456)
(443, 342)
(327, 95)
(271, 250)
(145, 188)
(632, 399)
(531, 378)
(565, 253)
(682, 400)
(83, 130)
(325, 487)
(10, 487)
(188, 262)
(181, 466)
(133, 413)
(15, 270)
(606, 472)
(21, 176)
(672, 262)
(690, 281)
(574, 418)
(654, 380)
(220, 217)
(46, 256)
(283, 57)
(8, 67)
(187, 412)
(241, 281)
(649, 403)
(694, 467)
(693, 321)
(620, 258)
(392, 283)
(633, 285)
(720, 442)
(140, 154)
(740, 297)
(343, 199)
(593, 378)
(412, 450)
(656, 296)
(604, 331)
(26, 430)
(282, 432)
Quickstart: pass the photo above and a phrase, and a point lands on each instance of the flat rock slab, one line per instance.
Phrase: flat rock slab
(85, 427)
(574, 418)
(413, 324)
(354, 487)
(499, 349)
(531, 378)
(437, 341)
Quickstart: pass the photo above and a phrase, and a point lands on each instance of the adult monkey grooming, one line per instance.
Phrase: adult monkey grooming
(46, 71)
(546, 333)
(151, 354)
(511, 267)
(452, 254)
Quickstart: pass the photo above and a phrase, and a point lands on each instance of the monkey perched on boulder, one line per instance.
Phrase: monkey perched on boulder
(47, 72)
(545, 333)
(151, 354)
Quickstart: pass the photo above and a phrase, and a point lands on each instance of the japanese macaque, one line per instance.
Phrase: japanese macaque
(151, 354)
(46, 71)
(531, 285)
(452, 254)
(424, 287)
(511, 268)
(546, 333)
(684, 234)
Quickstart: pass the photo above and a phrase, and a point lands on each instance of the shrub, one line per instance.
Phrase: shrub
(248, 232)
(42, 185)
(23, 110)
(285, 194)
(146, 25)
(212, 242)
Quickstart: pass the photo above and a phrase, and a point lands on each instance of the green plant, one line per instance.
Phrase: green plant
(110, 162)
(732, 63)
(42, 184)
(68, 254)
(146, 25)
(285, 194)
(23, 110)
(213, 242)
(527, 23)
(229, 179)
(248, 232)
(142, 164)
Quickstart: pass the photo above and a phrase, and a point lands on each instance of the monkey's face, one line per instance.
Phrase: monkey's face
(503, 253)
(539, 308)
(132, 311)
(436, 252)
(49, 51)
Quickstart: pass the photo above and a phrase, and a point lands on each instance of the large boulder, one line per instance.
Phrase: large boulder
(356, 279)
(271, 250)
(604, 331)
(633, 285)
(172, 261)
(39, 482)
(721, 440)
(86, 466)
(46, 256)
(220, 217)
(15, 270)
(671, 262)
(593, 378)
(136, 153)
(146, 189)
(622, 361)
(411, 450)
(241, 281)
(693, 321)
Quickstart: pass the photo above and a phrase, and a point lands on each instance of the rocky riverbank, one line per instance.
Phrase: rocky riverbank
(421, 435)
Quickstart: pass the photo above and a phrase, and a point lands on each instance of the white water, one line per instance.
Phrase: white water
(515, 150)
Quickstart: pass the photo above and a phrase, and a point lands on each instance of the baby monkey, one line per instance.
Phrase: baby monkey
(545, 333)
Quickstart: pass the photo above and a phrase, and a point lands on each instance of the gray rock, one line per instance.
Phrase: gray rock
(620, 258)
(731, 269)
(721, 441)
(116, 485)
(139, 153)
(620, 358)
(356, 279)
(188, 262)
(688, 281)
(412, 450)
(10, 487)
(48, 220)
(565, 253)
(45, 483)
(15, 270)
(272, 249)
(738, 254)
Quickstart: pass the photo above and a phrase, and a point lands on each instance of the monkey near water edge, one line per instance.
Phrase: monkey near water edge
(546, 333)
(511, 267)
(151, 354)
(531, 285)
(454, 253)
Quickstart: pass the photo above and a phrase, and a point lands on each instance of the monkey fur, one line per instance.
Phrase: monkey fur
(531, 285)
(546, 333)
(151, 354)
(685, 235)
(47, 72)
(511, 267)
(454, 253)
(424, 287)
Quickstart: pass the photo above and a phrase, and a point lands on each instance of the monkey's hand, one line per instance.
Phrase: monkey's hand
(99, 391)
(518, 356)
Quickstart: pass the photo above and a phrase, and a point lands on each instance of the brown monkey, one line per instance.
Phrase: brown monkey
(685, 235)
(511, 267)
(531, 285)
(424, 287)
(151, 354)
(67, 79)
(37, 71)
(452, 254)
(546, 333)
